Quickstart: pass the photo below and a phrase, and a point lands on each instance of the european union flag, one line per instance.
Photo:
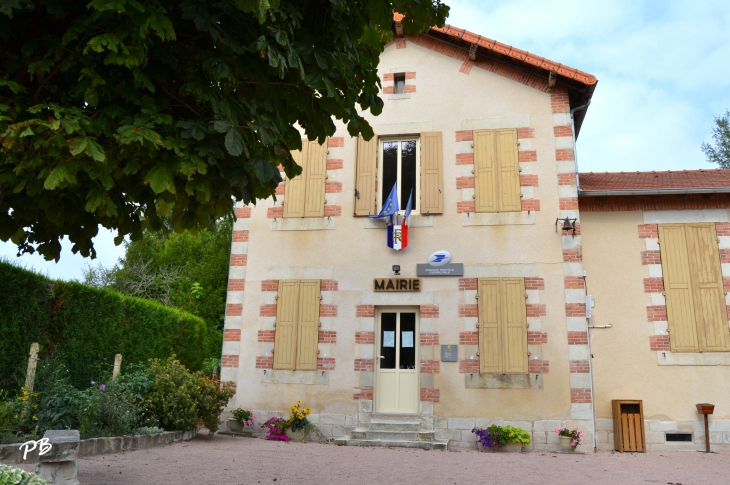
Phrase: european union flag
(390, 206)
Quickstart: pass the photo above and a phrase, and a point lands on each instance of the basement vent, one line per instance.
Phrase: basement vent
(679, 437)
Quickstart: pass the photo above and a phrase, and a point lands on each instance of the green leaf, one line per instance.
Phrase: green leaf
(57, 175)
(78, 146)
(221, 126)
(234, 142)
(160, 180)
(27, 132)
(96, 151)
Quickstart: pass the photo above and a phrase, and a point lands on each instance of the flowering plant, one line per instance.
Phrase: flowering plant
(501, 435)
(298, 416)
(575, 434)
(277, 429)
(244, 416)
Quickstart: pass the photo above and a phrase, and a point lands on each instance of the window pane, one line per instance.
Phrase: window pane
(400, 84)
(390, 167)
(408, 173)
(407, 341)
(387, 340)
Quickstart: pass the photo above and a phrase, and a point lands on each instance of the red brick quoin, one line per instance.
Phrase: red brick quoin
(362, 393)
(580, 395)
(659, 343)
(536, 366)
(430, 367)
(430, 395)
(469, 366)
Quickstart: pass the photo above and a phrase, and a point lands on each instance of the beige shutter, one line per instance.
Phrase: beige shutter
(490, 355)
(707, 288)
(432, 177)
(295, 188)
(678, 288)
(308, 331)
(285, 338)
(315, 179)
(365, 174)
(509, 171)
(514, 326)
(486, 184)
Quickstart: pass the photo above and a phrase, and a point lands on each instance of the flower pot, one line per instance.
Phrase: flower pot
(506, 448)
(238, 428)
(297, 436)
(565, 443)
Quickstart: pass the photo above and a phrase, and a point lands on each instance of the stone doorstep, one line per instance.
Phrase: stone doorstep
(365, 434)
(393, 425)
(424, 445)
(11, 454)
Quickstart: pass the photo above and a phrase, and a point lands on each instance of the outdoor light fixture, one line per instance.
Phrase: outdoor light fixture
(396, 269)
(568, 224)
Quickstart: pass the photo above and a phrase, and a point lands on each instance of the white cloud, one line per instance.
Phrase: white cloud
(662, 70)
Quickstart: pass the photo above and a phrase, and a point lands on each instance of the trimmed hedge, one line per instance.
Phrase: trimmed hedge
(77, 322)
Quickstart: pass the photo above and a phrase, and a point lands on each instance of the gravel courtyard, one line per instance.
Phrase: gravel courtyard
(234, 460)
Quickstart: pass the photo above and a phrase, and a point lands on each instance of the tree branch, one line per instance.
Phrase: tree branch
(169, 93)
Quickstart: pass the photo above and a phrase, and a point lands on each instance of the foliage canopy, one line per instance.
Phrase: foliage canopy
(720, 152)
(117, 112)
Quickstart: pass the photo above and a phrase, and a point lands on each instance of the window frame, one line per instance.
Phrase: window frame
(379, 187)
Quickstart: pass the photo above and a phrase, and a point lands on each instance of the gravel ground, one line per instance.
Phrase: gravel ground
(234, 460)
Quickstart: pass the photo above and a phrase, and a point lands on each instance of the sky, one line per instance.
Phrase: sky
(663, 75)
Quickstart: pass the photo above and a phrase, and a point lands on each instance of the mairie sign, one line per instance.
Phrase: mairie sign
(397, 284)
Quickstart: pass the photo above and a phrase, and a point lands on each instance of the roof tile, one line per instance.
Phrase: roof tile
(684, 179)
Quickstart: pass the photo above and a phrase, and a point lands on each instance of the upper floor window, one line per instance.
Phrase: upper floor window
(400, 167)
(400, 83)
(496, 171)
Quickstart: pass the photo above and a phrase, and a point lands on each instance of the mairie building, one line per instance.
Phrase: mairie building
(552, 298)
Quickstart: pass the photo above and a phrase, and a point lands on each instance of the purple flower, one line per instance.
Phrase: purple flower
(102, 387)
(92, 383)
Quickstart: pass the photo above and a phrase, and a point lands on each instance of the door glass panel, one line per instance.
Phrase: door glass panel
(390, 168)
(387, 340)
(408, 173)
(407, 341)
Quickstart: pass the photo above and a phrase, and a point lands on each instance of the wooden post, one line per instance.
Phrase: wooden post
(117, 366)
(30, 374)
(707, 435)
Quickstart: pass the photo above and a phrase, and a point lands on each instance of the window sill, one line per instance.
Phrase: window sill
(692, 358)
(497, 218)
(303, 224)
(311, 377)
(400, 96)
(503, 381)
(417, 220)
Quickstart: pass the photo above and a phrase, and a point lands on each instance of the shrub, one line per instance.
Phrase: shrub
(243, 416)
(10, 410)
(501, 435)
(179, 399)
(109, 411)
(10, 475)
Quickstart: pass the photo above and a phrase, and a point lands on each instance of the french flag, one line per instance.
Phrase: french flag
(398, 233)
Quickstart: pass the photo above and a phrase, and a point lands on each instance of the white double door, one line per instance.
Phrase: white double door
(397, 388)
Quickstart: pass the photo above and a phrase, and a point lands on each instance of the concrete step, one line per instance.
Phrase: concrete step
(389, 425)
(424, 445)
(391, 417)
(366, 434)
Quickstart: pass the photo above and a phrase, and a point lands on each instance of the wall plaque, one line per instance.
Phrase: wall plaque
(397, 284)
(453, 269)
(449, 353)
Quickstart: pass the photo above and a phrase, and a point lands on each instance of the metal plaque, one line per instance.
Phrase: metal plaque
(449, 353)
(452, 269)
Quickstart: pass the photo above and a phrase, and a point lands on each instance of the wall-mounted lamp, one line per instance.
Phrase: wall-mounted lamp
(396, 269)
(568, 225)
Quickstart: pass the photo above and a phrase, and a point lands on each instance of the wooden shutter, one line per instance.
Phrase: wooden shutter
(432, 177)
(315, 179)
(295, 188)
(678, 288)
(490, 355)
(514, 326)
(708, 291)
(285, 338)
(509, 171)
(365, 174)
(308, 331)
(486, 186)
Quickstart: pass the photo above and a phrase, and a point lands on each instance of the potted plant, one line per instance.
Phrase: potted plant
(277, 429)
(299, 428)
(569, 438)
(501, 438)
(241, 418)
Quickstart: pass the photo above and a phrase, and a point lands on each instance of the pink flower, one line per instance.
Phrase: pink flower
(574, 443)
(580, 433)
(557, 430)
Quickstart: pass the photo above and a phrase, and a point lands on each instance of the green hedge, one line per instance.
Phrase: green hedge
(77, 322)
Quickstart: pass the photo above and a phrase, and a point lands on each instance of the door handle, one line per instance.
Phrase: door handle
(382, 356)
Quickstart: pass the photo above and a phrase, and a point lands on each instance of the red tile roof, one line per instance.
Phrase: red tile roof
(650, 181)
(515, 53)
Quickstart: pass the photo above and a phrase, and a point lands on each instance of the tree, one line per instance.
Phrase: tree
(720, 153)
(119, 112)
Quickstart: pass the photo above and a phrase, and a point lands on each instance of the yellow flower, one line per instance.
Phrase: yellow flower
(35, 418)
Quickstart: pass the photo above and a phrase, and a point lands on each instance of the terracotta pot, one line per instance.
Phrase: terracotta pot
(236, 427)
(565, 442)
(506, 448)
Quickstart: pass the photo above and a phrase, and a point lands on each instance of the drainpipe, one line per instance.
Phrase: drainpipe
(575, 152)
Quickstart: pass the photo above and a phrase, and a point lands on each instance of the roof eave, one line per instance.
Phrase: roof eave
(605, 193)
